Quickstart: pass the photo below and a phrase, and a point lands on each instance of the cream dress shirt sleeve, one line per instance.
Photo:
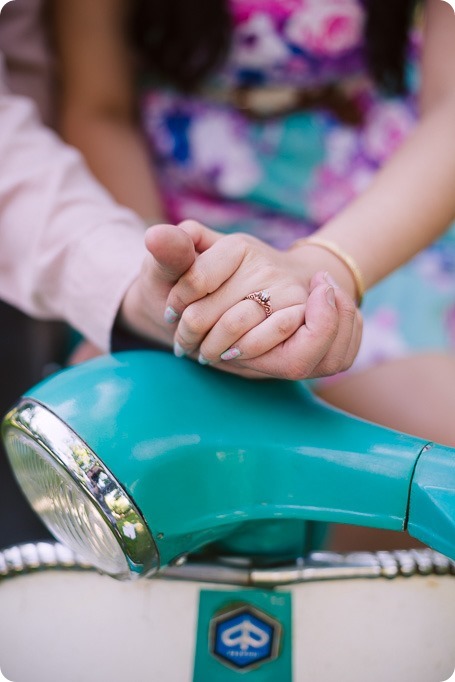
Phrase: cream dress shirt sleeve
(67, 250)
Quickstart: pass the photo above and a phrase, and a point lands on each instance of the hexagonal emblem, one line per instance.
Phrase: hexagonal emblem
(244, 637)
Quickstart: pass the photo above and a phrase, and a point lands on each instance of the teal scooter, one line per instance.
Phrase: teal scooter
(145, 465)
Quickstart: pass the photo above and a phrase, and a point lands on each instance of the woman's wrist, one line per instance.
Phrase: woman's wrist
(342, 256)
(313, 257)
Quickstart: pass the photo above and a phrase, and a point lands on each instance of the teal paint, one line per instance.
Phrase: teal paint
(432, 503)
(211, 457)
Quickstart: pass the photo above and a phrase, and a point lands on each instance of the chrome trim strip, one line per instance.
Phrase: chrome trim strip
(38, 556)
(316, 566)
(69, 451)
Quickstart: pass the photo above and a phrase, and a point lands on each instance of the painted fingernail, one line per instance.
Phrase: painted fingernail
(330, 296)
(230, 354)
(203, 360)
(170, 315)
(179, 352)
(329, 279)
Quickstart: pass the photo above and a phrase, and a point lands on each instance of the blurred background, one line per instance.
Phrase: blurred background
(29, 351)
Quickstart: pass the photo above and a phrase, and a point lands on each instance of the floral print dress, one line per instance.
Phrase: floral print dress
(282, 177)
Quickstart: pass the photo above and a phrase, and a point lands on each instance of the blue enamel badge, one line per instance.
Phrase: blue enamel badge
(244, 637)
(244, 633)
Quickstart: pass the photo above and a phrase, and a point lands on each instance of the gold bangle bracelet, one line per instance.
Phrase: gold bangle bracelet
(344, 257)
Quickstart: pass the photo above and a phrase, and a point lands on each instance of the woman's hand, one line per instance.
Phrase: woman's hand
(314, 329)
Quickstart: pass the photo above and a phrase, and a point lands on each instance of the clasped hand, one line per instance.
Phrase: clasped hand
(191, 294)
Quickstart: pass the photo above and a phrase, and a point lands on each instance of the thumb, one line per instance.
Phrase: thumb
(322, 277)
(203, 237)
(172, 249)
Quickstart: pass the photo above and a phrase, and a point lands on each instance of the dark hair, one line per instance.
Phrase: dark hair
(181, 41)
(184, 41)
(386, 36)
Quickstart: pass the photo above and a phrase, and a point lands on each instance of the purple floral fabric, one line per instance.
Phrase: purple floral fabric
(301, 41)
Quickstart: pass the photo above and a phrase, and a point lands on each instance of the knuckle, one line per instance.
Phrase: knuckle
(208, 354)
(285, 328)
(346, 305)
(194, 321)
(264, 268)
(297, 370)
(348, 360)
(288, 372)
(333, 365)
(190, 224)
(195, 281)
(332, 330)
(350, 314)
(238, 242)
(176, 301)
(326, 332)
(234, 325)
(239, 238)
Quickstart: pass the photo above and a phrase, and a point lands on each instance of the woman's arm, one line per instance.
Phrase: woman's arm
(412, 199)
(98, 103)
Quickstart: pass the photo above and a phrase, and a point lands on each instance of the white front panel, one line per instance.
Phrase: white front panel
(58, 626)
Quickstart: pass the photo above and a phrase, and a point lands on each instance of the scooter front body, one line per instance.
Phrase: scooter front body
(147, 465)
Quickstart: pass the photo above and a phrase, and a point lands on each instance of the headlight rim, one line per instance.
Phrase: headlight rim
(79, 461)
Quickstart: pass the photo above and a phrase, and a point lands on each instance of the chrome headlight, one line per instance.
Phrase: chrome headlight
(76, 496)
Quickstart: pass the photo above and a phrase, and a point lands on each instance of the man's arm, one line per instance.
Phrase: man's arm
(67, 251)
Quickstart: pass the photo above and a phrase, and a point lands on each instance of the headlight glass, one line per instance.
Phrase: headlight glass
(67, 512)
(75, 495)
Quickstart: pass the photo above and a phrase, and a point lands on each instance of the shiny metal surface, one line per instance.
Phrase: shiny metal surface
(117, 509)
(316, 566)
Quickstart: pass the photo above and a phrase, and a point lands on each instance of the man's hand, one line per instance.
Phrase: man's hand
(170, 253)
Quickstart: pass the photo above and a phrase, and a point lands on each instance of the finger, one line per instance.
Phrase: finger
(297, 357)
(218, 337)
(345, 347)
(203, 237)
(355, 340)
(172, 249)
(340, 354)
(225, 317)
(258, 338)
(321, 277)
(208, 272)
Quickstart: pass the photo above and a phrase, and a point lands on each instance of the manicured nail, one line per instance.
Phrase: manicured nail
(202, 360)
(170, 315)
(179, 352)
(330, 296)
(329, 279)
(230, 354)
